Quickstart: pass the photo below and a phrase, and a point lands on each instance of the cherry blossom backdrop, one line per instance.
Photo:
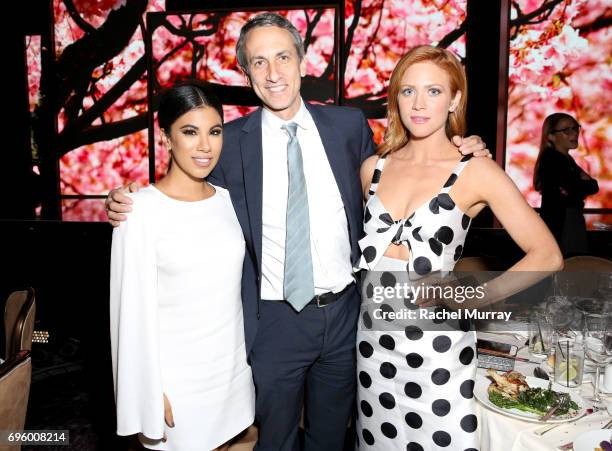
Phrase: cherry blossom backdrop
(105, 115)
(561, 61)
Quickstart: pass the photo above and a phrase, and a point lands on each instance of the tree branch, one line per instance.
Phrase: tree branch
(190, 34)
(104, 132)
(79, 59)
(104, 103)
(522, 19)
(597, 24)
(351, 30)
(310, 28)
(76, 17)
(453, 35)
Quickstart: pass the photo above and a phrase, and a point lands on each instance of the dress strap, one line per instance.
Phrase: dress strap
(376, 176)
(455, 174)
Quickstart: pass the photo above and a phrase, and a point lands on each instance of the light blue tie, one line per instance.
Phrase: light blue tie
(298, 284)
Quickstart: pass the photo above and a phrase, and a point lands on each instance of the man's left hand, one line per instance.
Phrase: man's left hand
(472, 145)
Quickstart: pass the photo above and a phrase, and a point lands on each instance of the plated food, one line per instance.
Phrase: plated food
(605, 445)
(600, 440)
(527, 398)
(511, 391)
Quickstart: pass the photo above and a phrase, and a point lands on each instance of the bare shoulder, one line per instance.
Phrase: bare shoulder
(482, 168)
(367, 167)
(367, 172)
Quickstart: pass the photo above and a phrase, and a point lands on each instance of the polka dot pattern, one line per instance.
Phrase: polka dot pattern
(366, 408)
(433, 232)
(366, 349)
(441, 343)
(413, 332)
(469, 423)
(466, 356)
(435, 246)
(388, 430)
(387, 342)
(388, 370)
(412, 446)
(387, 279)
(422, 266)
(467, 389)
(387, 400)
(415, 377)
(365, 380)
(442, 438)
(440, 376)
(414, 420)
(414, 360)
(367, 320)
(413, 390)
(440, 407)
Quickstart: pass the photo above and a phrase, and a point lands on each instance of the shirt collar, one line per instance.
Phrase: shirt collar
(271, 123)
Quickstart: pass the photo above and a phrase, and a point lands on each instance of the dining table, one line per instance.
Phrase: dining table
(501, 432)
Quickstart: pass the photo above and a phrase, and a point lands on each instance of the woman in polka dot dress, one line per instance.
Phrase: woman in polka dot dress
(416, 376)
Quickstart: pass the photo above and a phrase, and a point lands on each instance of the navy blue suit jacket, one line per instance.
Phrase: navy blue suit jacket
(347, 140)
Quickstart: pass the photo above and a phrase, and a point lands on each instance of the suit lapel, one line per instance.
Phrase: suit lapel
(252, 169)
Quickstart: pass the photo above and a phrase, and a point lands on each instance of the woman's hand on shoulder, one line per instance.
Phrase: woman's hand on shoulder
(366, 173)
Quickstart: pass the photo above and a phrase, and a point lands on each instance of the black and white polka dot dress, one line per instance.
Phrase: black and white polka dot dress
(415, 376)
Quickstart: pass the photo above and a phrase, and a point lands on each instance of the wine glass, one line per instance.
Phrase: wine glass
(598, 346)
(604, 286)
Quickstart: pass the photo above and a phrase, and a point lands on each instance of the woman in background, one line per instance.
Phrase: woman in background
(179, 361)
(563, 184)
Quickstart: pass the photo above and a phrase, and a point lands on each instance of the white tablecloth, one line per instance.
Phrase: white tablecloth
(502, 433)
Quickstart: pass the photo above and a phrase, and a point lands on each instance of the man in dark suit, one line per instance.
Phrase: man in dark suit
(292, 170)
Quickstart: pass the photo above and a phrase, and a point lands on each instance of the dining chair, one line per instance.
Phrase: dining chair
(587, 263)
(15, 379)
(19, 313)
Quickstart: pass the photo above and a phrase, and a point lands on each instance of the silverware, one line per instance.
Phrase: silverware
(540, 373)
(543, 430)
(564, 399)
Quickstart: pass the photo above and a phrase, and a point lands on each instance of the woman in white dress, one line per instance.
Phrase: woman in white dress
(416, 377)
(181, 377)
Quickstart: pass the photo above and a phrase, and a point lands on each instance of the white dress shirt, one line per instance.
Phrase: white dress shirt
(329, 238)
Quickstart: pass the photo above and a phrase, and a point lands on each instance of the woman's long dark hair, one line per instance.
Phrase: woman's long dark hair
(550, 123)
(183, 97)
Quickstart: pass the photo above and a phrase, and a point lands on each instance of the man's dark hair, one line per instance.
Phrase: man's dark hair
(266, 20)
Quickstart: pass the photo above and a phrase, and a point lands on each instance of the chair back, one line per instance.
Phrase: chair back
(15, 379)
(587, 263)
(19, 314)
(581, 275)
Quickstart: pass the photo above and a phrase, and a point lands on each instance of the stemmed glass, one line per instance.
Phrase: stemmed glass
(604, 286)
(598, 346)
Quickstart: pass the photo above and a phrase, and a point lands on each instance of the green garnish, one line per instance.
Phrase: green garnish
(534, 400)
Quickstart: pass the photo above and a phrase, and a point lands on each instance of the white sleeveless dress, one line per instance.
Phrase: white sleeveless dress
(415, 376)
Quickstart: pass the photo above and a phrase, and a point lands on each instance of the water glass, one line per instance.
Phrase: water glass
(569, 362)
(598, 346)
(540, 334)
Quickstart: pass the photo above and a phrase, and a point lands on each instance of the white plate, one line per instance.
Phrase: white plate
(590, 440)
(482, 395)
